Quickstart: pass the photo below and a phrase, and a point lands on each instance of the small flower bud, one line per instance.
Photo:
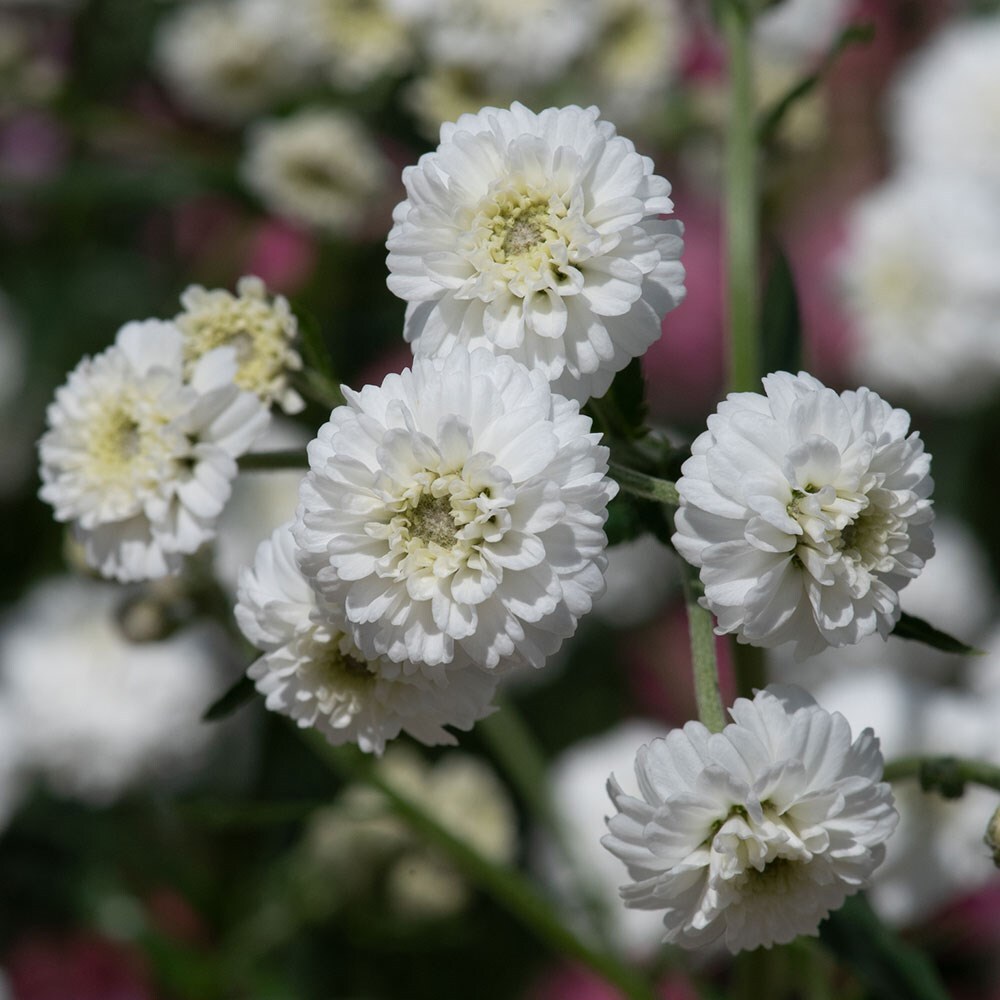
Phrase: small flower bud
(992, 837)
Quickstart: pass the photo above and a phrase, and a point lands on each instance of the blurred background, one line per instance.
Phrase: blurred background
(148, 145)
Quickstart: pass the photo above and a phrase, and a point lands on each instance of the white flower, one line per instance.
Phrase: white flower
(319, 167)
(755, 834)
(312, 671)
(576, 782)
(800, 30)
(537, 236)
(260, 330)
(140, 461)
(919, 282)
(457, 511)
(228, 59)
(806, 512)
(351, 43)
(517, 42)
(946, 107)
(96, 713)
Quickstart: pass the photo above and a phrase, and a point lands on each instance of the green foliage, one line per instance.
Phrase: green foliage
(781, 322)
(911, 627)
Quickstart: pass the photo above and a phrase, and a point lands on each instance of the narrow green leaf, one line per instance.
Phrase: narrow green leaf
(911, 627)
(623, 406)
(889, 968)
(781, 322)
(314, 350)
(235, 697)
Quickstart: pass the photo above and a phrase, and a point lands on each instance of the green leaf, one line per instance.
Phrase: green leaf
(314, 350)
(911, 627)
(629, 517)
(235, 697)
(889, 968)
(770, 120)
(781, 322)
(622, 409)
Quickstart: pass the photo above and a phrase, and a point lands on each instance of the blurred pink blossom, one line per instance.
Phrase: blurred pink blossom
(576, 983)
(33, 147)
(281, 255)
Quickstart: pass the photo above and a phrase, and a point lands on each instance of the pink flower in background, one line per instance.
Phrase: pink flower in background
(684, 369)
(570, 982)
(283, 255)
(77, 966)
(33, 147)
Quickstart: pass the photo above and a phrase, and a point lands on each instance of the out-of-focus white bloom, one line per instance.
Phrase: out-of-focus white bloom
(800, 30)
(641, 574)
(537, 236)
(755, 834)
(259, 329)
(98, 714)
(576, 780)
(11, 758)
(312, 671)
(919, 283)
(361, 833)
(946, 115)
(444, 93)
(228, 59)
(457, 512)
(518, 42)
(636, 57)
(260, 502)
(351, 43)
(319, 167)
(937, 852)
(806, 512)
(140, 461)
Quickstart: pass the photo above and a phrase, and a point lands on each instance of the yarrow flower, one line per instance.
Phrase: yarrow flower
(313, 672)
(537, 236)
(318, 167)
(139, 460)
(753, 835)
(807, 512)
(260, 330)
(457, 511)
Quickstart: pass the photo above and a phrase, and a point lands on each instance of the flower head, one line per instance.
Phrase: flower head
(318, 167)
(457, 511)
(139, 460)
(312, 671)
(752, 835)
(807, 512)
(260, 331)
(538, 237)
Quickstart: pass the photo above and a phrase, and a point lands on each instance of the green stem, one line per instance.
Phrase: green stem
(262, 461)
(706, 671)
(946, 774)
(507, 887)
(641, 485)
(742, 223)
(516, 749)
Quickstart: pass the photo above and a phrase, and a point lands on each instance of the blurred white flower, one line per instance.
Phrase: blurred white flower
(514, 43)
(457, 511)
(945, 111)
(576, 781)
(361, 833)
(351, 43)
(636, 56)
(755, 834)
(806, 512)
(919, 283)
(800, 30)
(228, 59)
(259, 329)
(313, 672)
(443, 93)
(12, 753)
(319, 167)
(98, 714)
(260, 502)
(641, 574)
(539, 237)
(140, 461)
(937, 853)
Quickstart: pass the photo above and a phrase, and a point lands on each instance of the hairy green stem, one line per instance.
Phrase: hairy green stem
(641, 485)
(947, 774)
(706, 672)
(742, 222)
(263, 461)
(507, 886)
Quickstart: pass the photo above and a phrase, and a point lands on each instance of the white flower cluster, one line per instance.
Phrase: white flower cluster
(753, 835)
(143, 438)
(917, 267)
